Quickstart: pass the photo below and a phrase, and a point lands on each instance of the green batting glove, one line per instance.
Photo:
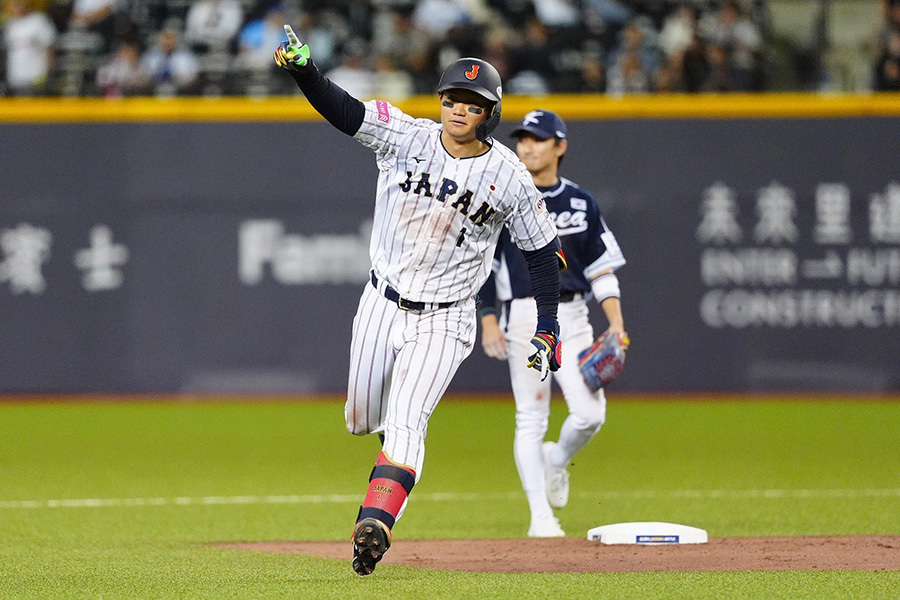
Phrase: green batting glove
(291, 55)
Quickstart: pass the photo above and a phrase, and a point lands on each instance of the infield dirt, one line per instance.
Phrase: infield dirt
(570, 555)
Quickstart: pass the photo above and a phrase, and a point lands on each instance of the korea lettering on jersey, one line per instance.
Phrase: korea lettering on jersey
(436, 216)
(583, 233)
(589, 245)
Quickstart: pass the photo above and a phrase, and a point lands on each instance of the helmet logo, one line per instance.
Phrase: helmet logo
(473, 73)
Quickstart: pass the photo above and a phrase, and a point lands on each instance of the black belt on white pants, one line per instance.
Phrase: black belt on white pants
(569, 296)
(404, 304)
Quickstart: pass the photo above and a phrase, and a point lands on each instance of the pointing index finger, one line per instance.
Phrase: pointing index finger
(292, 37)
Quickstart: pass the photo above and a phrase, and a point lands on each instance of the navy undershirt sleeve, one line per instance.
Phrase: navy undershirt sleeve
(331, 101)
(488, 297)
(543, 266)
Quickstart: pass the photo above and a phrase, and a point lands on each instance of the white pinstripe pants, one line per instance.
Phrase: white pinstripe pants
(401, 363)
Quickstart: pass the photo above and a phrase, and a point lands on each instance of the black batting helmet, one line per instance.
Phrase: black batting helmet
(480, 77)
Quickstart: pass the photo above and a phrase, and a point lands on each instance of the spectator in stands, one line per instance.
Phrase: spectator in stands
(514, 12)
(678, 30)
(399, 40)
(390, 83)
(557, 13)
(533, 66)
(121, 75)
(888, 78)
(477, 11)
(684, 66)
(633, 67)
(28, 36)
(613, 12)
(422, 67)
(171, 68)
(629, 75)
(152, 15)
(258, 37)
(352, 75)
(437, 17)
(593, 74)
(316, 28)
(737, 35)
(95, 16)
(720, 77)
(497, 50)
(694, 65)
(212, 24)
(602, 22)
(887, 68)
(671, 75)
(891, 11)
(461, 40)
(356, 17)
(87, 13)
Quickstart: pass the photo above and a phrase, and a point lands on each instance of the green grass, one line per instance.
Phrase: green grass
(734, 468)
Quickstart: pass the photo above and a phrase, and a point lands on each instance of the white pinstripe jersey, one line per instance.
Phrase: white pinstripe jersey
(437, 218)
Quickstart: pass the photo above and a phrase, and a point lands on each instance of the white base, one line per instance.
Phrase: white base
(647, 533)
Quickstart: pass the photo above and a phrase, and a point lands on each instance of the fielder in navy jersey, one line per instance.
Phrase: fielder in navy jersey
(593, 255)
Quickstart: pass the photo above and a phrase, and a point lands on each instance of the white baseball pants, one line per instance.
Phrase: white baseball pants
(587, 411)
(401, 363)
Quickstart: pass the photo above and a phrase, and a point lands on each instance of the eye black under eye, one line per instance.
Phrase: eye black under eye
(450, 103)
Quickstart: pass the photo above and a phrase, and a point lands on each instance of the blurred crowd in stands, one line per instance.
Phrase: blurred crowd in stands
(394, 48)
(887, 68)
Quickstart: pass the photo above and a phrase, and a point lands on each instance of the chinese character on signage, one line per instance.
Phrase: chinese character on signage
(99, 262)
(884, 215)
(24, 250)
(832, 214)
(776, 209)
(718, 213)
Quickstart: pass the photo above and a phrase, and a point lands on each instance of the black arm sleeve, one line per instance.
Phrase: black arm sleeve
(543, 266)
(488, 297)
(332, 102)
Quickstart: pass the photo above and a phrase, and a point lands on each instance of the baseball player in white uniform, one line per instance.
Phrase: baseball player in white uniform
(444, 192)
(593, 256)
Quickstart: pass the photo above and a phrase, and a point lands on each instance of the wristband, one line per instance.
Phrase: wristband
(605, 286)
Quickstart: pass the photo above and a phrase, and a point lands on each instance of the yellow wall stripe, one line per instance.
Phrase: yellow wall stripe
(570, 106)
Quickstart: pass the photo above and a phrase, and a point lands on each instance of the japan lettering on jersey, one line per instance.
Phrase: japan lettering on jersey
(589, 245)
(437, 217)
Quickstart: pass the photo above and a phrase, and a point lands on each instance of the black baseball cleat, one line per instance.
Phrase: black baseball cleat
(371, 539)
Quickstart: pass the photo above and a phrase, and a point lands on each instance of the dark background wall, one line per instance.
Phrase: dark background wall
(763, 254)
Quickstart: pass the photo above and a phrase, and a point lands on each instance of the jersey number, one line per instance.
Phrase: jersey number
(462, 236)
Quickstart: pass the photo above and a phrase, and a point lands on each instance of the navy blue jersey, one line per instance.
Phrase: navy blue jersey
(590, 247)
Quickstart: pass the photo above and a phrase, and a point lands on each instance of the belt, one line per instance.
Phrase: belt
(404, 304)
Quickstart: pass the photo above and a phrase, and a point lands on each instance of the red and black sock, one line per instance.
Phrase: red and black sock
(389, 485)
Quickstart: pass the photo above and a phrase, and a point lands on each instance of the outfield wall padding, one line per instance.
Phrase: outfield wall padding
(763, 253)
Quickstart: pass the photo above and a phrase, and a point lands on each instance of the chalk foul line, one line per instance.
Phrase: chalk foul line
(761, 494)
